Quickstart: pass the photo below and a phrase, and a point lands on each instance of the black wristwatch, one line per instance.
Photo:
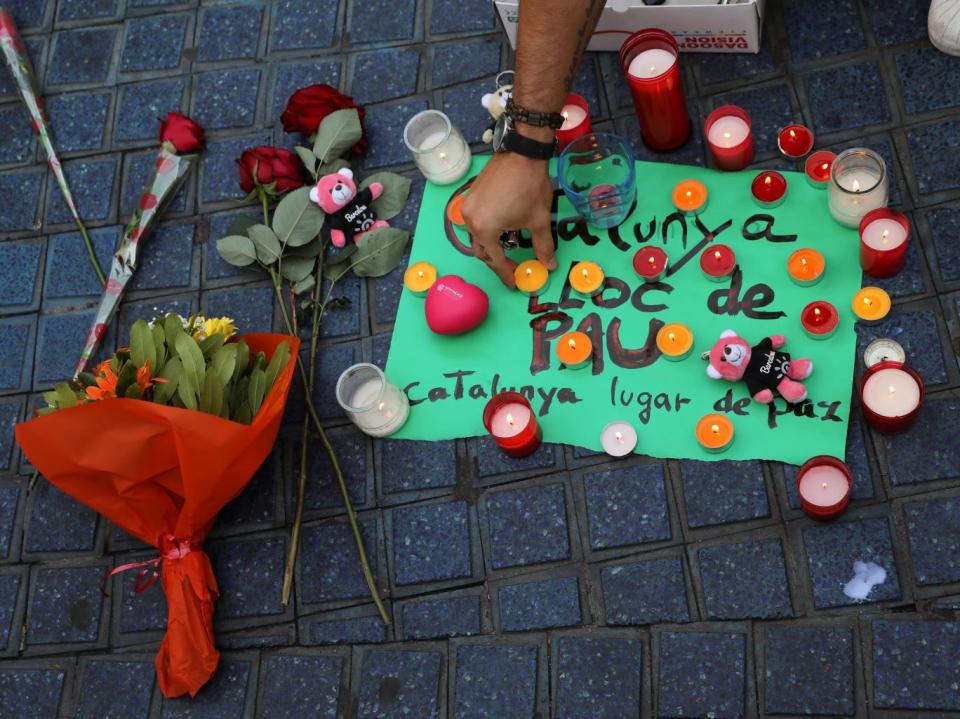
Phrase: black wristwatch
(507, 139)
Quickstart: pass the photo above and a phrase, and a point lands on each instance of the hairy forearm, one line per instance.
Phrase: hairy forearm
(551, 38)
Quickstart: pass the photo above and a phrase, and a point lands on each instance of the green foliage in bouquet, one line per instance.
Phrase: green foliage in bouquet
(179, 362)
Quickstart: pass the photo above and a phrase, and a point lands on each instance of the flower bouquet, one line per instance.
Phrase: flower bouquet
(158, 439)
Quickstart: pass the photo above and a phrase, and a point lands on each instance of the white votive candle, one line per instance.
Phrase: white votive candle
(618, 439)
(572, 115)
(371, 401)
(510, 420)
(884, 234)
(651, 63)
(858, 184)
(728, 131)
(823, 486)
(891, 393)
(438, 148)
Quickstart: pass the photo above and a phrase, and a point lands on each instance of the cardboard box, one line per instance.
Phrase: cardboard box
(698, 27)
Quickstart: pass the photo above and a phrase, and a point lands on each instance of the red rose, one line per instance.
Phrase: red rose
(181, 132)
(263, 166)
(307, 107)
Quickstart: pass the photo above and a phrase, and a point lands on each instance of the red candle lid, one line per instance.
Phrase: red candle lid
(819, 317)
(769, 186)
(649, 261)
(818, 165)
(795, 141)
(718, 260)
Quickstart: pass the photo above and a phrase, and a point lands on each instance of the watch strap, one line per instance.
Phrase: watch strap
(535, 150)
(535, 118)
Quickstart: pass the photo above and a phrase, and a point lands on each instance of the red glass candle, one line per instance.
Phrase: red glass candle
(718, 262)
(884, 236)
(891, 394)
(729, 135)
(824, 485)
(819, 319)
(769, 189)
(576, 121)
(657, 87)
(650, 263)
(512, 423)
(817, 168)
(795, 141)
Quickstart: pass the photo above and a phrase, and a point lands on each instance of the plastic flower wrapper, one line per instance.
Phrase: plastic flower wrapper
(18, 62)
(162, 473)
(180, 139)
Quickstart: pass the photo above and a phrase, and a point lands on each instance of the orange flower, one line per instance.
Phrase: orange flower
(106, 385)
(103, 366)
(144, 380)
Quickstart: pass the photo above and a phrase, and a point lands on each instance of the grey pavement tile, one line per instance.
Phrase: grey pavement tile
(11, 412)
(226, 98)
(92, 182)
(338, 628)
(440, 616)
(67, 272)
(250, 573)
(747, 580)
(136, 613)
(36, 49)
(393, 683)
(25, 185)
(702, 673)
(411, 466)
(17, 289)
(626, 506)
(250, 307)
(141, 104)
(291, 76)
(229, 33)
(17, 143)
(494, 681)
(833, 549)
(598, 677)
(820, 28)
(897, 21)
(917, 332)
(9, 502)
(228, 693)
(329, 567)
(929, 79)
(257, 506)
(28, 14)
(432, 543)
(80, 121)
(384, 74)
(915, 665)
(81, 56)
(770, 108)
(58, 523)
(542, 604)
(646, 591)
(527, 525)
(13, 586)
(935, 165)
(929, 450)
(300, 685)
(109, 686)
(491, 461)
(219, 179)
(384, 127)
(87, 9)
(909, 281)
(933, 527)
(809, 670)
(167, 260)
(461, 61)
(381, 21)
(323, 490)
(461, 16)
(864, 98)
(726, 67)
(32, 692)
(154, 43)
(944, 229)
(65, 605)
(139, 169)
(303, 24)
(723, 492)
(17, 338)
(214, 267)
(349, 318)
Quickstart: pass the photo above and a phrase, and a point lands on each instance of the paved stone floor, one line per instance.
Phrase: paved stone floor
(559, 585)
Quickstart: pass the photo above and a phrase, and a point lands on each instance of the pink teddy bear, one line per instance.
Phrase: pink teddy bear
(349, 213)
(762, 367)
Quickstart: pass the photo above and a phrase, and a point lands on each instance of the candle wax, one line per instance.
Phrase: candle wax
(884, 235)
(573, 115)
(651, 63)
(891, 393)
(369, 394)
(728, 131)
(510, 420)
(618, 439)
(823, 486)
(858, 180)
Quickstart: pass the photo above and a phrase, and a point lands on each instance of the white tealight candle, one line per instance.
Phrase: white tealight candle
(438, 148)
(891, 393)
(823, 485)
(651, 63)
(371, 401)
(573, 115)
(728, 131)
(618, 439)
(510, 420)
(884, 234)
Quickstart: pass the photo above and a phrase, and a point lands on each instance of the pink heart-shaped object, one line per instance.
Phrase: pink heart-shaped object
(454, 306)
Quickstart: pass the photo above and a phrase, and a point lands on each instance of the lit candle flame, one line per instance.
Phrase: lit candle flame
(509, 418)
(726, 136)
(671, 336)
(652, 261)
(653, 69)
(572, 343)
(586, 272)
(856, 186)
(565, 115)
(381, 406)
(824, 485)
(689, 193)
(825, 166)
(443, 156)
(715, 428)
(420, 274)
(793, 134)
(867, 301)
(716, 255)
(768, 180)
(816, 311)
(529, 272)
(883, 237)
(803, 261)
(619, 437)
(892, 389)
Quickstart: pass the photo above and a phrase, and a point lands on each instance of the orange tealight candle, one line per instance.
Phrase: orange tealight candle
(575, 350)
(715, 432)
(532, 277)
(690, 197)
(419, 278)
(586, 278)
(806, 267)
(675, 341)
(871, 305)
(455, 209)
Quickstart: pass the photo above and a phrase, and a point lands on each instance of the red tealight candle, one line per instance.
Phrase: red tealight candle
(718, 262)
(891, 394)
(824, 484)
(576, 121)
(512, 423)
(819, 319)
(769, 189)
(795, 141)
(650, 263)
(884, 237)
(817, 168)
(729, 135)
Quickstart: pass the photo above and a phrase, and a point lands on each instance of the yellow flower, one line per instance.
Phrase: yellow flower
(213, 326)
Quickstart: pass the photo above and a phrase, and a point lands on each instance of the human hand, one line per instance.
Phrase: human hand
(512, 192)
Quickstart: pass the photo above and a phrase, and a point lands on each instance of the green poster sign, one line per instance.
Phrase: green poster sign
(450, 379)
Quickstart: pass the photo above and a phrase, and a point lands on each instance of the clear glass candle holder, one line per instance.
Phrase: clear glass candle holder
(598, 176)
(438, 148)
(371, 401)
(858, 183)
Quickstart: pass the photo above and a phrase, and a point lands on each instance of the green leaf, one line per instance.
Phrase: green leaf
(209, 345)
(142, 348)
(240, 225)
(86, 380)
(211, 395)
(308, 158)
(187, 391)
(256, 390)
(307, 283)
(224, 362)
(343, 254)
(297, 219)
(238, 396)
(396, 190)
(266, 243)
(163, 391)
(159, 345)
(312, 249)
(329, 168)
(243, 360)
(66, 397)
(380, 250)
(237, 250)
(281, 355)
(132, 391)
(125, 377)
(194, 366)
(243, 414)
(335, 272)
(172, 328)
(338, 262)
(297, 269)
(338, 132)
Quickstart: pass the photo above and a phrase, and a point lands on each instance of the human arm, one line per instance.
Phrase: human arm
(512, 191)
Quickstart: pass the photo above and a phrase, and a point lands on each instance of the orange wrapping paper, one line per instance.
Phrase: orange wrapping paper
(162, 474)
